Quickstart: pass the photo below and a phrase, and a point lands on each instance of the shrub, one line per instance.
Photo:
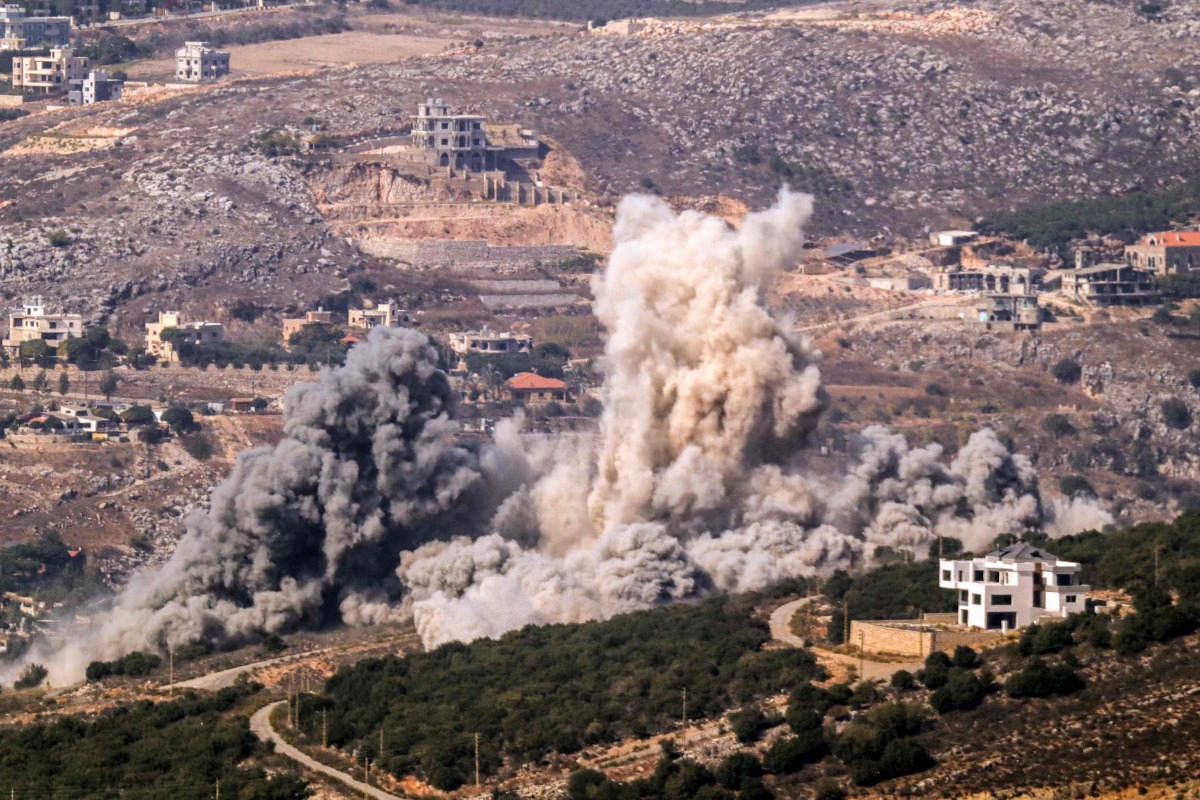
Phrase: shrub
(274, 643)
(1042, 680)
(936, 672)
(17, 384)
(935, 390)
(732, 771)
(179, 418)
(1058, 425)
(1194, 378)
(827, 789)
(33, 676)
(1176, 414)
(795, 752)
(903, 680)
(748, 724)
(59, 238)
(965, 658)
(1047, 639)
(1075, 486)
(963, 691)
(1067, 371)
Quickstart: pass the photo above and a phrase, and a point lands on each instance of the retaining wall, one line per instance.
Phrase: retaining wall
(914, 638)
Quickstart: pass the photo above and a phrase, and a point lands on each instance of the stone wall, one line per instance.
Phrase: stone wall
(473, 254)
(914, 639)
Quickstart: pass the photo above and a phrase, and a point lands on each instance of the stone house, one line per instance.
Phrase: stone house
(1111, 285)
(198, 62)
(1166, 253)
(49, 74)
(196, 333)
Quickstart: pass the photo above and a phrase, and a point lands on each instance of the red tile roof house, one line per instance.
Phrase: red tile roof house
(532, 389)
(1166, 253)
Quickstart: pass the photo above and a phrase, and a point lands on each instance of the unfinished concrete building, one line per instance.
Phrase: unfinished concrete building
(998, 279)
(1111, 285)
(198, 62)
(486, 340)
(1005, 313)
(1166, 253)
(455, 140)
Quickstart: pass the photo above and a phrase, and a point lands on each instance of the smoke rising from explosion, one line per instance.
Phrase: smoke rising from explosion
(371, 510)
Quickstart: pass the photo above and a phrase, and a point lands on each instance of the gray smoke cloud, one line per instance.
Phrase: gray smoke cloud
(371, 509)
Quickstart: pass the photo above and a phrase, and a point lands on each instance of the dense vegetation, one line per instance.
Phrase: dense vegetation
(1054, 226)
(177, 750)
(553, 688)
(546, 359)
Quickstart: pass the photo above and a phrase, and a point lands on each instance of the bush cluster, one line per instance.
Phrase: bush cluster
(553, 688)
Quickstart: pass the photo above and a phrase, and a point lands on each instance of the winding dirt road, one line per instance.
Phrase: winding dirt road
(260, 725)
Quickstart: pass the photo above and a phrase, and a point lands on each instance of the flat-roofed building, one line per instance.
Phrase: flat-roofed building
(1111, 285)
(33, 323)
(194, 334)
(97, 87)
(293, 325)
(383, 315)
(33, 31)
(198, 62)
(486, 340)
(49, 74)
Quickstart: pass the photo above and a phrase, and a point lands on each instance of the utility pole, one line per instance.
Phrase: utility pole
(171, 669)
(366, 774)
(862, 651)
(477, 759)
(381, 746)
(218, 789)
(845, 622)
(685, 707)
(324, 730)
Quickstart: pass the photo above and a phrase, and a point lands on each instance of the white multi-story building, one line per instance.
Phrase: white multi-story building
(197, 62)
(97, 87)
(1013, 587)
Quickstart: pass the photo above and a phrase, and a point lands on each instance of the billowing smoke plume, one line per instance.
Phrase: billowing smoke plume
(371, 509)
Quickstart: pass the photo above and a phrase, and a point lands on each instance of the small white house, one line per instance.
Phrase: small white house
(952, 238)
(1013, 587)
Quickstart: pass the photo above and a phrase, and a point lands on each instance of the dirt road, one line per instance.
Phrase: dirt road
(781, 631)
(260, 725)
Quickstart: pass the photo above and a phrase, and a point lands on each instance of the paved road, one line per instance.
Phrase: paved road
(781, 631)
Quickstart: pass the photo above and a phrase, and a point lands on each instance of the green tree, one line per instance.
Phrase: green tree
(1067, 371)
(34, 351)
(137, 415)
(1176, 413)
(179, 418)
(40, 380)
(17, 384)
(108, 385)
(64, 383)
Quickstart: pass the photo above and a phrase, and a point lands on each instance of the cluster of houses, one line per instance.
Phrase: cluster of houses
(1009, 287)
(61, 71)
